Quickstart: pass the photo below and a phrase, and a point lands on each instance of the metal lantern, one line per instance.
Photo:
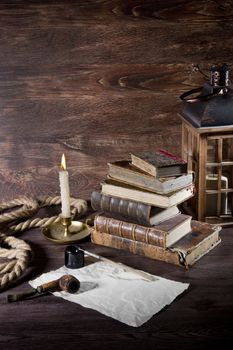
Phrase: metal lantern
(207, 145)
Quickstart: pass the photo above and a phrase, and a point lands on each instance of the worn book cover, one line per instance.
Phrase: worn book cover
(117, 189)
(163, 235)
(202, 238)
(142, 213)
(124, 171)
(160, 163)
(198, 242)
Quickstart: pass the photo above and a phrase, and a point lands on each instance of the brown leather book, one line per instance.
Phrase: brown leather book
(142, 213)
(198, 242)
(161, 235)
(159, 163)
(117, 189)
(125, 172)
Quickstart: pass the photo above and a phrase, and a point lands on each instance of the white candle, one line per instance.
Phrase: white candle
(65, 190)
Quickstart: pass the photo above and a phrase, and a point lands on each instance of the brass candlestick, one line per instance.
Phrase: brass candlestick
(66, 222)
(66, 231)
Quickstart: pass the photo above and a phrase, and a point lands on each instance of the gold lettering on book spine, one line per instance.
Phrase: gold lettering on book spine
(120, 228)
(133, 232)
(107, 225)
(147, 235)
(102, 203)
(110, 204)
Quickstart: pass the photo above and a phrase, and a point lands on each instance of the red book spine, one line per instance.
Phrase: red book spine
(173, 156)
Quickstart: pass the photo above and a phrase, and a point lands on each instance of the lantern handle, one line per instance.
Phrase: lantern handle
(196, 68)
(184, 96)
(219, 83)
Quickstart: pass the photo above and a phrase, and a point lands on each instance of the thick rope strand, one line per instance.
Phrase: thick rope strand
(30, 207)
(80, 207)
(21, 253)
(18, 251)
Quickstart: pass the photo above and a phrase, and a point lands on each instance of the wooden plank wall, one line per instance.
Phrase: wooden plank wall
(97, 79)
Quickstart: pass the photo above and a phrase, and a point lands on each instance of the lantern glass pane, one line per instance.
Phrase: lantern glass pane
(212, 151)
(227, 172)
(219, 204)
(212, 172)
(230, 203)
(227, 149)
(219, 190)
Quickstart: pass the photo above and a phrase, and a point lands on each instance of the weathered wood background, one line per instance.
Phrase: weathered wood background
(97, 79)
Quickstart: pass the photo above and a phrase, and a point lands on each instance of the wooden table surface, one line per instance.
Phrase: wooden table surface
(199, 318)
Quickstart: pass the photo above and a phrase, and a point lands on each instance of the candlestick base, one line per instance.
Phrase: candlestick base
(65, 233)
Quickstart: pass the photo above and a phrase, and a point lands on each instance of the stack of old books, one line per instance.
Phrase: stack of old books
(138, 210)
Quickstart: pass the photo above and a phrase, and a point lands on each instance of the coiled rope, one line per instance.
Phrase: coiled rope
(16, 250)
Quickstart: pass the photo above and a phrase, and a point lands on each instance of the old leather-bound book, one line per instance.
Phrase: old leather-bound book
(142, 213)
(159, 163)
(125, 172)
(199, 241)
(117, 189)
(162, 235)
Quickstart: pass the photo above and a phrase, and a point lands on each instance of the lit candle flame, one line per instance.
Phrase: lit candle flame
(63, 162)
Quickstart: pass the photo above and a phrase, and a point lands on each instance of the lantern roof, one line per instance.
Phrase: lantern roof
(212, 104)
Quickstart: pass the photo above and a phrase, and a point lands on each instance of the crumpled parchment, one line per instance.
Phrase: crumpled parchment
(122, 295)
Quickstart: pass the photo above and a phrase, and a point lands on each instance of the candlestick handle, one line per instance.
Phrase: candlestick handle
(66, 222)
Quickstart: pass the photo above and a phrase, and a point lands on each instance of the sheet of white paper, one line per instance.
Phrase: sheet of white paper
(121, 295)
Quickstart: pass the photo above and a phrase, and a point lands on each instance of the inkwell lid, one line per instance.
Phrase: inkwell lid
(74, 257)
